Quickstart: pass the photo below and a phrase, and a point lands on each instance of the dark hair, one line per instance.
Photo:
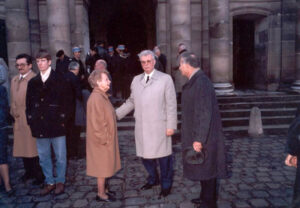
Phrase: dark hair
(26, 56)
(190, 59)
(60, 53)
(43, 54)
(93, 48)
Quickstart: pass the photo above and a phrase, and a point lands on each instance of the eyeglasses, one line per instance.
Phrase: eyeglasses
(20, 65)
(146, 62)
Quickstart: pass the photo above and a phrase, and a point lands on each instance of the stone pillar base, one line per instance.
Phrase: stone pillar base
(296, 86)
(223, 88)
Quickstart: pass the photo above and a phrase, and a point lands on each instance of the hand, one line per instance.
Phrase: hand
(197, 146)
(291, 160)
(170, 132)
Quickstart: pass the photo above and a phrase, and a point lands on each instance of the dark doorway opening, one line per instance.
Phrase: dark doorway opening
(3, 46)
(127, 28)
(243, 52)
(129, 22)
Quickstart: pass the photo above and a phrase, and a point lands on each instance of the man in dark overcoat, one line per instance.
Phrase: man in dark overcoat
(293, 153)
(48, 101)
(201, 130)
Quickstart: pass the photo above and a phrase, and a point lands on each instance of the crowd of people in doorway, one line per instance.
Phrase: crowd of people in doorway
(48, 109)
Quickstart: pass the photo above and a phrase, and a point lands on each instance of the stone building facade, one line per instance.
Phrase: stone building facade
(242, 43)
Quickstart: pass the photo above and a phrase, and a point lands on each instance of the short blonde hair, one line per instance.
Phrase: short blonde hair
(95, 76)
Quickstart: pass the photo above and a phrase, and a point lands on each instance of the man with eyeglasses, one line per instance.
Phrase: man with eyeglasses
(48, 102)
(153, 100)
(24, 144)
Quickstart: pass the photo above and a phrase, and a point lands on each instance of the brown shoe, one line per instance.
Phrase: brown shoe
(47, 189)
(60, 188)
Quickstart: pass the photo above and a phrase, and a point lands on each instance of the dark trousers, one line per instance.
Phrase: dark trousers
(72, 139)
(209, 192)
(32, 168)
(166, 171)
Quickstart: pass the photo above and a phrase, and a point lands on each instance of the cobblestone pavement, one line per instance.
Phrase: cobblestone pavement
(258, 178)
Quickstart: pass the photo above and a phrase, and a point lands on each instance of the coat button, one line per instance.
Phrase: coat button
(41, 135)
(42, 99)
(42, 117)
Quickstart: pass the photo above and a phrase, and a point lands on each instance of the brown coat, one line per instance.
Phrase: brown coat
(102, 147)
(24, 143)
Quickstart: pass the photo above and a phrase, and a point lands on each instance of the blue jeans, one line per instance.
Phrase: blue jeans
(44, 151)
(166, 171)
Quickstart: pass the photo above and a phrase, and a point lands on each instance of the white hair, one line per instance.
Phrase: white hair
(146, 53)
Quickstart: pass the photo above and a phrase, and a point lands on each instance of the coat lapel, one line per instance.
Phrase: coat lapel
(192, 80)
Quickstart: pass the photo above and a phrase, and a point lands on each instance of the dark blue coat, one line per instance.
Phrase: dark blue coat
(293, 143)
(201, 122)
(4, 108)
(48, 105)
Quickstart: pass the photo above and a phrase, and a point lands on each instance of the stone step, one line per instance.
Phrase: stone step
(258, 98)
(233, 113)
(226, 122)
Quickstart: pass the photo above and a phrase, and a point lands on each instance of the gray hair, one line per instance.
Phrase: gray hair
(190, 59)
(73, 65)
(101, 61)
(146, 53)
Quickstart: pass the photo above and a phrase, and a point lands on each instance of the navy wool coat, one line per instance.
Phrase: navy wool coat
(48, 105)
(201, 122)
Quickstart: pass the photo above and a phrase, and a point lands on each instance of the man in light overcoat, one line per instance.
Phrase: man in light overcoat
(201, 130)
(153, 99)
(24, 144)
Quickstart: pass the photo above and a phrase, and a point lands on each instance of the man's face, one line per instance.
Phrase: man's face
(183, 67)
(22, 66)
(62, 57)
(43, 64)
(148, 63)
(77, 55)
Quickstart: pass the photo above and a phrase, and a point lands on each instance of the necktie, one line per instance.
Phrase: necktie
(147, 79)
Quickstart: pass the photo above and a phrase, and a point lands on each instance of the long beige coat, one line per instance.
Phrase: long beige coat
(102, 146)
(24, 143)
(155, 111)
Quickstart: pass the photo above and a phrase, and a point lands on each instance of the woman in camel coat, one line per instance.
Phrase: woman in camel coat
(102, 147)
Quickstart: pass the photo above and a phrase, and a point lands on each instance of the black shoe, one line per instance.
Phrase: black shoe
(148, 186)
(165, 192)
(37, 182)
(109, 199)
(10, 192)
(196, 201)
(25, 177)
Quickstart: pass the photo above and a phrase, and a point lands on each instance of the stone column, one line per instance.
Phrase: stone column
(296, 84)
(162, 30)
(81, 32)
(43, 17)
(205, 38)
(58, 26)
(180, 33)
(17, 27)
(34, 26)
(219, 45)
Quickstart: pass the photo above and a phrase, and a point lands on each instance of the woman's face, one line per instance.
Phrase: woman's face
(104, 83)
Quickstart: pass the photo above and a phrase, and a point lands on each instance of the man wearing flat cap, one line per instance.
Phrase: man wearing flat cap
(201, 130)
(81, 75)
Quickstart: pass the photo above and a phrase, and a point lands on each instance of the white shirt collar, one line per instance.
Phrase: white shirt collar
(24, 75)
(46, 75)
(150, 75)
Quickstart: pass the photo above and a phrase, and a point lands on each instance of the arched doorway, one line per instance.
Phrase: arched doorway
(131, 22)
(250, 42)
